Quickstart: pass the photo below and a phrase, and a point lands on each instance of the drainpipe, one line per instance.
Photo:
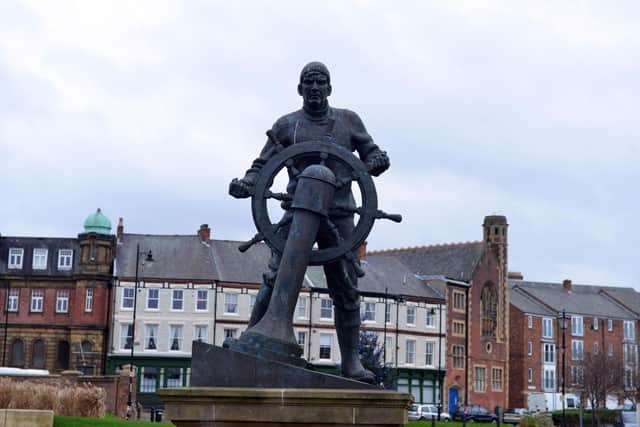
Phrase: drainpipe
(397, 328)
(466, 349)
(215, 311)
(310, 322)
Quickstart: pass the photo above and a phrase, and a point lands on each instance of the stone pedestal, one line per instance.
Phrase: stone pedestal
(271, 407)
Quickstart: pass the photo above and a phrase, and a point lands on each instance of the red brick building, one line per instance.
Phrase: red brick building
(474, 277)
(56, 293)
(598, 319)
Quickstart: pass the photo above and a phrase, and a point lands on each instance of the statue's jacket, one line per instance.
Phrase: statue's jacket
(336, 125)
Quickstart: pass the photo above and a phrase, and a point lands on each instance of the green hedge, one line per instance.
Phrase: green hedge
(606, 416)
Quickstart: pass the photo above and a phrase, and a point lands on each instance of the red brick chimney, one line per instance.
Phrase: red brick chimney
(362, 251)
(566, 284)
(120, 229)
(204, 232)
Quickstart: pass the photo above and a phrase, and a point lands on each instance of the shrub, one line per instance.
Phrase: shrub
(538, 420)
(606, 416)
(70, 400)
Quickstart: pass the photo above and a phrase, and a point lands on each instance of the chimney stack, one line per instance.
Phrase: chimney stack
(566, 284)
(120, 229)
(515, 275)
(362, 251)
(204, 233)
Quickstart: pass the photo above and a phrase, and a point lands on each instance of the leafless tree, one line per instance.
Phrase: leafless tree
(603, 374)
(631, 389)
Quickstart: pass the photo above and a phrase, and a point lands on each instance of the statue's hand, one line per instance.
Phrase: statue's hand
(378, 163)
(240, 188)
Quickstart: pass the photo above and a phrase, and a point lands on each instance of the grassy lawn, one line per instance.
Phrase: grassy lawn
(108, 421)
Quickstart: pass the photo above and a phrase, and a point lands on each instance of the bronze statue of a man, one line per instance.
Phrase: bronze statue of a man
(316, 120)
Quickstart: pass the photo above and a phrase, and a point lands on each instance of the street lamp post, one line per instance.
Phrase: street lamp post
(148, 258)
(563, 326)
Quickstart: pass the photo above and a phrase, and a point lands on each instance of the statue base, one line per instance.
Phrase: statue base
(213, 366)
(255, 407)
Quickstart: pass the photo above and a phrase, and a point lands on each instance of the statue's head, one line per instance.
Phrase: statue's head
(315, 85)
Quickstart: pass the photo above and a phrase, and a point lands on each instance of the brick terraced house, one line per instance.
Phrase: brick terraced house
(473, 277)
(56, 293)
(599, 319)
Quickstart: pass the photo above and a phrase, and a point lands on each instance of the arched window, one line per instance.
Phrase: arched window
(62, 360)
(489, 310)
(87, 347)
(17, 353)
(37, 354)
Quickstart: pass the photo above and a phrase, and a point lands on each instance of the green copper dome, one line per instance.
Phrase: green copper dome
(97, 223)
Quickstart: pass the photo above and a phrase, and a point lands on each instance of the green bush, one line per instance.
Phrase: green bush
(606, 416)
(537, 420)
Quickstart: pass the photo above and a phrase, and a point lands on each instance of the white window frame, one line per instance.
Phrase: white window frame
(577, 326)
(124, 337)
(529, 348)
(202, 297)
(596, 323)
(301, 309)
(430, 318)
(529, 321)
(231, 304)
(610, 325)
(156, 298)
(176, 332)
(200, 337)
(547, 327)
(577, 350)
(124, 297)
(174, 299)
(16, 258)
(40, 257)
(13, 300)
(88, 300)
(410, 353)
(387, 312)
(411, 315)
(429, 352)
(326, 305)
(150, 331)
(530, 375)
(368, 312)
(301, 338)
(37, 301)
(549, 354)
(230, 333)
(252, 302)
(629, 329)
(62, 301)
(65, 259)
(549, 378)
(323, 340)
(497, 381)
(479, 379)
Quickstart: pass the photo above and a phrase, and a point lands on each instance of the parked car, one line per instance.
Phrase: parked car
(513, 415)
(474, 413)
(425, 412)
(629, 419)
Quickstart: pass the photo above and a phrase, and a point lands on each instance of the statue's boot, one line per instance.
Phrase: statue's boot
(348, 329)
(262, 303)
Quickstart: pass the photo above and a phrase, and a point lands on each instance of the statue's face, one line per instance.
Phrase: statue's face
(314, 89)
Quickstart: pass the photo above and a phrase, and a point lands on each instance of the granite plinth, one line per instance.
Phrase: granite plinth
(213, 366)
(254, 407)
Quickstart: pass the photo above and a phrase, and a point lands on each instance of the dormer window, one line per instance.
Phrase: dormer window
(16, 255)
(65, 259)
(39, 259)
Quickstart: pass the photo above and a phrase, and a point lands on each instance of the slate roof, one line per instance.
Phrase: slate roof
(456, 260)
(28, 244)
(528, 305)
(175, 257)
(383, 272)
(235, 266)
(582, 299)
(628, 297)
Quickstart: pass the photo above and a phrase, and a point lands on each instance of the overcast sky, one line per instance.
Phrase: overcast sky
(147, 109)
